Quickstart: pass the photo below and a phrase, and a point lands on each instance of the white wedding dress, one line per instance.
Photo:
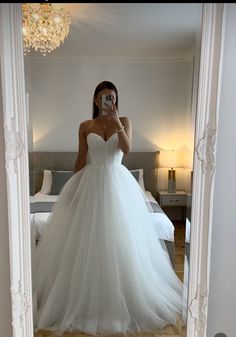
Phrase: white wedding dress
(101, 268)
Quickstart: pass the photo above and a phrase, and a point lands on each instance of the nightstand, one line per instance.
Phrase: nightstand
(170, 202)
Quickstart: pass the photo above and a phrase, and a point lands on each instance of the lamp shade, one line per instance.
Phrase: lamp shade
(173, 159)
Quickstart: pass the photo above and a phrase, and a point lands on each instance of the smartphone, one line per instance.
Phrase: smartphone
(106, 102)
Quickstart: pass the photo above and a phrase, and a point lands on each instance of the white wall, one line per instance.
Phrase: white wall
(5, 300)
(27, 73)
(155, 96)
(222, 296)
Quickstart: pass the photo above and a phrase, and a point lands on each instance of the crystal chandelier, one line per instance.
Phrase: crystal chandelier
(44, 27)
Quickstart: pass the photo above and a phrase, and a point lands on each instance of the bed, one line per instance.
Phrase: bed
(41, 202)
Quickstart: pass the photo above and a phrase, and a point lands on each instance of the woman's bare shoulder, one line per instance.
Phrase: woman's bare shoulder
(125, 120)
(88, 121)
(85, 124)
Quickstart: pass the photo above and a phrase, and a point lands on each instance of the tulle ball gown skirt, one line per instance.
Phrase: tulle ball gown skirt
(101, 268)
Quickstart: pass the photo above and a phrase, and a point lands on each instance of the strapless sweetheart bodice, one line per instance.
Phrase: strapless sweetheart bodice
(103, 152)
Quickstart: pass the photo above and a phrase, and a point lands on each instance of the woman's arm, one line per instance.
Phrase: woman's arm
(122, 123)
(125, 136)
(83, 148)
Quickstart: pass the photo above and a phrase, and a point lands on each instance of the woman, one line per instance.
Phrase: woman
(101, 268)
(107, 124)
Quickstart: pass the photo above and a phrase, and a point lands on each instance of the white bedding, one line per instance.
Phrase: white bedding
(187, 231)
(162, 224)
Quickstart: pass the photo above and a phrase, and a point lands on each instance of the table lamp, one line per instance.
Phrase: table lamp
(172, 159)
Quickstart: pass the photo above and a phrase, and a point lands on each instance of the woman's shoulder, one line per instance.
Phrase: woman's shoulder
(85, 123)
(125, 119)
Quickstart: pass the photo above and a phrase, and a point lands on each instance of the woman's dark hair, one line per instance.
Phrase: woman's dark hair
(101, 86)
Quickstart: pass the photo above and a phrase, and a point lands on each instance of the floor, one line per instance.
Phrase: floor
(172, 331)
(168, 331)
(179, 248)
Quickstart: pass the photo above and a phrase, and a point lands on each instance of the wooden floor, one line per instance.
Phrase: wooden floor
(179, 248)
(173, 331)
(167, 331)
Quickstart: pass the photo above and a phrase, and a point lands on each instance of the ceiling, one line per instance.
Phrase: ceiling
(133, 30)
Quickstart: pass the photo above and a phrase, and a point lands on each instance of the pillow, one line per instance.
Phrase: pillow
(47, 182)
(135, 174)
(59, 178)
(140, 178)
(141, 181)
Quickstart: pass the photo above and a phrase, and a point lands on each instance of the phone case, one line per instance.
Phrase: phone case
(106, 100)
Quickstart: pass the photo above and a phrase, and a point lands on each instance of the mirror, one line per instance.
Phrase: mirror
(22, 239)
(151, 52)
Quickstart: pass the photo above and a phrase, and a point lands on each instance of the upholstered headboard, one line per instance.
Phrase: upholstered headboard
(39, 161)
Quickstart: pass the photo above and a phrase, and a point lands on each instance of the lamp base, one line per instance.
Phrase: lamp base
(171, 186)
(171, 181)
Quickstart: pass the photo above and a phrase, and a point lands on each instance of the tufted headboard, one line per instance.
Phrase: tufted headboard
(39, 161)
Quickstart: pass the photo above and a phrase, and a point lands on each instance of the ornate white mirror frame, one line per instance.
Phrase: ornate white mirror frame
(16, 150)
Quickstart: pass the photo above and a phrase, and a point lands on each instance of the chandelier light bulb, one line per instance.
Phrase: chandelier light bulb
(44, 28)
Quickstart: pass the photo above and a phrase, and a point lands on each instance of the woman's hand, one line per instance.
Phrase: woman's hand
(113, 114)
